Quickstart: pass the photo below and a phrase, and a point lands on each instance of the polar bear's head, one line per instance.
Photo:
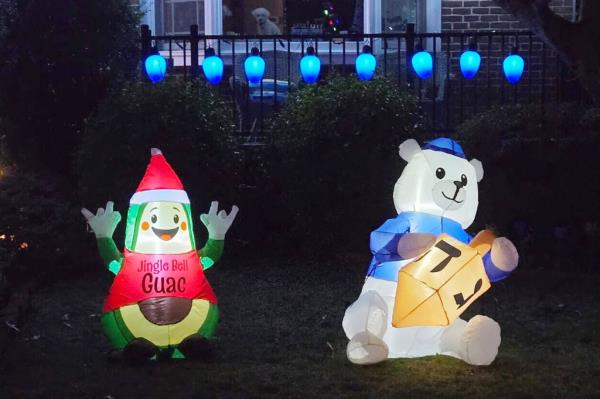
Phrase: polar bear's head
(438, 180)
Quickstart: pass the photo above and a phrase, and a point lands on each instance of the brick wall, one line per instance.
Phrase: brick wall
(543, 70)
(464, 15)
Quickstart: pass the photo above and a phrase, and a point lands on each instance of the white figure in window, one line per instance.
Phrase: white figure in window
(264, 25)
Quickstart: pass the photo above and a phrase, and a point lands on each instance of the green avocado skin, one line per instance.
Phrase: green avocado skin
(119, 335)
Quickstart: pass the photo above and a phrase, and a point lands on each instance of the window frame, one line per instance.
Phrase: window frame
(172, 3)
(429, 16)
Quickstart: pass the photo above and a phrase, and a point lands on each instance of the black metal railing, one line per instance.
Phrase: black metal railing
(446, 98)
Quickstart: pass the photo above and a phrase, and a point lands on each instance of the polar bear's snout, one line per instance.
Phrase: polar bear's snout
(449, 194)
(459, 185)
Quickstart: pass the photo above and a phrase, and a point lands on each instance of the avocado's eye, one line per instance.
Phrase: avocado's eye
(440, 173)
(176, 219)
(463, 179)
(153, 219)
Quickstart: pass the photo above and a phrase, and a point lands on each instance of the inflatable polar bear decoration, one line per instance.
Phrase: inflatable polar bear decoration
(436, 193)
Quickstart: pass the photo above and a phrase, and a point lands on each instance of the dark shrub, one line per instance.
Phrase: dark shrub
(41, 230)
(6, 129)
(540, 181)
(60, 58)
(189, 122)
(488, 132)
(591, 120)
(337, 145)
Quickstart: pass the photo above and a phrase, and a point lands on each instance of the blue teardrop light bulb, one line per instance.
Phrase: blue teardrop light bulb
(254, 67)
(156, 67)
(213, 68)
(365, 66)
(513, 66)
(422, 63)
(310, 67)
(470, 61)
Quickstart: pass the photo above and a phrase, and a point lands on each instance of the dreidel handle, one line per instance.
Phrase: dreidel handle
(482, 242)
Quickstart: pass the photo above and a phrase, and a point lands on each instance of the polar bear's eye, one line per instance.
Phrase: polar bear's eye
(440, 173)
(463, 179)
(153, 218)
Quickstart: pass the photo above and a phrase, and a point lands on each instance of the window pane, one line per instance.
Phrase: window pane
(253, 17)
(324, 15)
(178, 15)
(184, 15)
(395, 14)
(168, 17)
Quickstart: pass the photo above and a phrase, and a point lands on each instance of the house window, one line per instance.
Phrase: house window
(396, 14)
(255, 17)
(393, 16)
(252, 17)
(176, 16)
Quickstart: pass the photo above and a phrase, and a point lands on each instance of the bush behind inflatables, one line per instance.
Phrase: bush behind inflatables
(51, 82)
(40, 234)
(538, 184)
(336, 160)
(184, 118)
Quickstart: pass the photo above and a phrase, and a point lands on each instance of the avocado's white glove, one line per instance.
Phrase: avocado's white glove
(104, 222)
(217, 224)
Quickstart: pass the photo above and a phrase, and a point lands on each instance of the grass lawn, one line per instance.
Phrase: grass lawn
(280, 336)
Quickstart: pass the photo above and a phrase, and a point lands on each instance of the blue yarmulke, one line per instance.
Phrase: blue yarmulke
(446, 145)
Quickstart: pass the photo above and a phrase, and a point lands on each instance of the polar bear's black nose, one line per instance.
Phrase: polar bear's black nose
(459, 184)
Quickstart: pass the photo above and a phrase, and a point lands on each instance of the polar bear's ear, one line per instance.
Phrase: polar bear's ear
(478, 168)
(408, 149)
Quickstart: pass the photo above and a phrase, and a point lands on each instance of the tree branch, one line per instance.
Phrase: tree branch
(589, 10)
(553, 29)
(578, 43)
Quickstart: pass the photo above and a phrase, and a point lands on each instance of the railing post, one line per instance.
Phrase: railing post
(410, 50)
(146, 41)
(194, 38)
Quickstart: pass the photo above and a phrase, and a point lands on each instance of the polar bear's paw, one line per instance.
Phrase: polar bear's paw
(365, 348)
(376, 322)
(481, 340)
(504, 254)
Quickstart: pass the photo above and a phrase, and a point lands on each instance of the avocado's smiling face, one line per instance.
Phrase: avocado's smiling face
(163, 228)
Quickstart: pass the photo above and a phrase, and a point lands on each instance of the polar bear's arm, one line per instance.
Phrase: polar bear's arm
(384, 240)
(493, 272)
(501, 260)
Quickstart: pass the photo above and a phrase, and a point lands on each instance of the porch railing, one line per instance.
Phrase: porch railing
(446, 99)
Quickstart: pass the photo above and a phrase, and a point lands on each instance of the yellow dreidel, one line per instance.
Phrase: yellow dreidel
(437, 287)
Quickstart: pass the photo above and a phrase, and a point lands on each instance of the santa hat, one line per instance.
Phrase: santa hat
(446, 145)
(160, 183)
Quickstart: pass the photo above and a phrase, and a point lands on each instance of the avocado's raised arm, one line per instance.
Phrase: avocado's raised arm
(111, 256)
(217, 225)
(104, 223)
(213, 249)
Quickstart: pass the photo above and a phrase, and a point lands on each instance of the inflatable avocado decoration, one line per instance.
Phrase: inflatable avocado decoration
(160, 302)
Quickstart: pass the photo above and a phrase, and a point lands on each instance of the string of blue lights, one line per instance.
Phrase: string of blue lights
(365, 63)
